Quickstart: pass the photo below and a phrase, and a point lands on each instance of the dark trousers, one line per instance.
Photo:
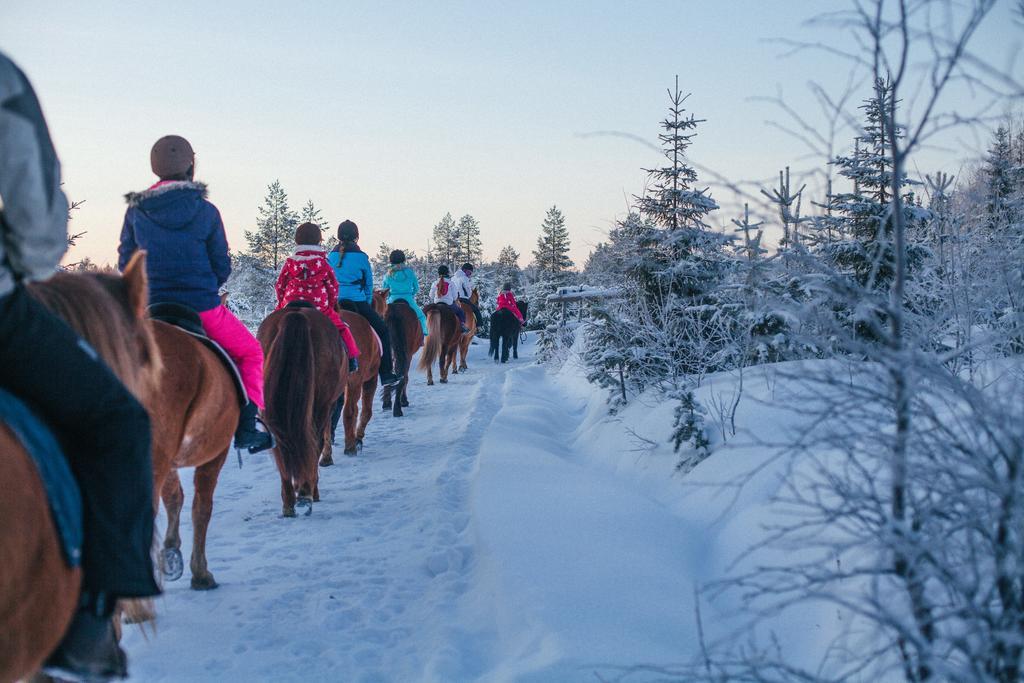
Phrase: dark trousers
(461, 314)
(104, 433)
(387, 365)
(476, 310)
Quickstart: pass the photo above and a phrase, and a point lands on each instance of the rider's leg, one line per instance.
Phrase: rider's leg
(461, 315)
(105, 436)
(351, 348)
(224, 328)
(476, 311)
(387, 363)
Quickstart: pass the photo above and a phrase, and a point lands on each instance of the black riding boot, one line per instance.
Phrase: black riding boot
(89, 650)
(246, 435)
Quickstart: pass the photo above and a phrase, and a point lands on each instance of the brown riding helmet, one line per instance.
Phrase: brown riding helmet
(171, 156)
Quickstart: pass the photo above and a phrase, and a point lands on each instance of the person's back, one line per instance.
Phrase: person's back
(507, 302)
(183, 235)
(354, 274)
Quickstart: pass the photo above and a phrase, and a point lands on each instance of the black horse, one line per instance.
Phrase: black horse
(504, 327)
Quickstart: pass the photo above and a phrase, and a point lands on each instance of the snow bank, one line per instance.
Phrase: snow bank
(589, 531)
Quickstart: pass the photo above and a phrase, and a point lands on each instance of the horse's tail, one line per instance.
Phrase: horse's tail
(432, 348)
(289, 387)
(396, 330)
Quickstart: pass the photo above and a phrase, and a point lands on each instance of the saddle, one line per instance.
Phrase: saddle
(187, 320)
(61, 488)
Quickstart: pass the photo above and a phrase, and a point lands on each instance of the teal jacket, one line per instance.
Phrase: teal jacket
(402, 282)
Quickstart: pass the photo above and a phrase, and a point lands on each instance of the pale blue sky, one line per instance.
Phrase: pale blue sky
(392, 114)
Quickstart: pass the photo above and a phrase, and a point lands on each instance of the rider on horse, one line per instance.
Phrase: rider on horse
(307, 276)
(188, 262)
(507, 302)
(402, 284)
(104, 431)
(443, 292)
(355, 292)
(463, 283)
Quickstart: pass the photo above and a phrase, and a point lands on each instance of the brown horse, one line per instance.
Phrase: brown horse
(467, 338)
(360, 387)
(194, 415)
(304, 374)
(406, 340)
(442, 342)
(38, 591)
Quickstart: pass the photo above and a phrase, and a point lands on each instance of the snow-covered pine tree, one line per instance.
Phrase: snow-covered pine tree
(445, 241)
(508, 266)
(469, 248)
(552, 254)
(685, 250)
(274, 236)
(1000, 172)
(861, 221)
(311, 214)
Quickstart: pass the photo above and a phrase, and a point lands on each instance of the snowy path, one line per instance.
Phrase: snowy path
(451, 549)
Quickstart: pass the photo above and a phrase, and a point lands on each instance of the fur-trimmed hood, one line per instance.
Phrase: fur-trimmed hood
(136, 198)
(172, 205)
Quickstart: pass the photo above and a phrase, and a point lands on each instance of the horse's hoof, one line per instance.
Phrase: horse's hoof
(287, 512)
(203, 583)
(171, 564)
(306, 504)
(430, 383)
(444, 381)
(326, 461)
(351, 452)
(385, 405)
(405, 403)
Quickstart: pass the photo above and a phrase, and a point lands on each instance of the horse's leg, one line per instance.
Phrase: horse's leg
(443, 364)
(463, 350)
(430, 376)
(405, 391)
(387, 399)
(287, 494)
(327, 456)
(202, 508)
(173, 496)
(369, 389)
(350, 415)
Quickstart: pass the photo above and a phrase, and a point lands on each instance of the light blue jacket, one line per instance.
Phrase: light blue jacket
(402, 282)
(355, 277)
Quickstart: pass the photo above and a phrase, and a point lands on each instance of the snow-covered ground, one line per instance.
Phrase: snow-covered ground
(506, 529)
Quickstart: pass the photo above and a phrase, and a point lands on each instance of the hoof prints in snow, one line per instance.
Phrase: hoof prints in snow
(367, 588)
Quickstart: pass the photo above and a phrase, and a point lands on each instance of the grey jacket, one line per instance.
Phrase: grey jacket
(34, 217)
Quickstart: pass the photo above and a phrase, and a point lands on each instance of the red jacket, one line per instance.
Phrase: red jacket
(307, 276)
(507, 300)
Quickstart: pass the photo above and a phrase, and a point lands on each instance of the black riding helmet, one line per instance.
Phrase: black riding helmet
(397, 257)
(443, 271)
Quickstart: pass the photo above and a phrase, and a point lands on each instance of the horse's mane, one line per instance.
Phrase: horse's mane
(97, 307)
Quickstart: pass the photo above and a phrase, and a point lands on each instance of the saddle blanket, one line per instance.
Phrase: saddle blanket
(187, 320)
(61, 488)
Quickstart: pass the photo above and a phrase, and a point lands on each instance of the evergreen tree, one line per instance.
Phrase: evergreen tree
(862, 219)
(311, 214)
(682, 254)
(999, 172)
(467, 238)
(508, 266)
(270, 243)
(552, 253)
(445, 241)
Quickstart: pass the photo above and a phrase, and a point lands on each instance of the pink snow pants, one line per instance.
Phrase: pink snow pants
(224, 328)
